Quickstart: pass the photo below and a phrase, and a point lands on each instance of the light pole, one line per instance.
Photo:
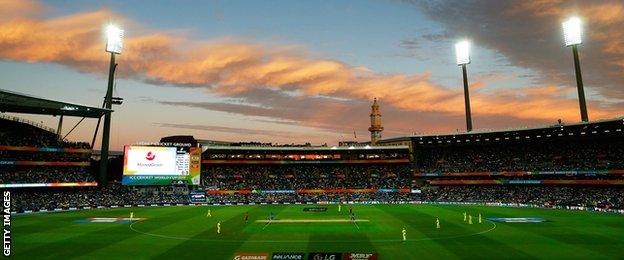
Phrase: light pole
(114, 45)
(572, 37)
(462, 53)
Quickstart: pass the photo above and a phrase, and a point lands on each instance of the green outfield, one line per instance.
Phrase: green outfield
(187, 231)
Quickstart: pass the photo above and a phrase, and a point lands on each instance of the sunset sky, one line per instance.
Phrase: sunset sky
(307, 71)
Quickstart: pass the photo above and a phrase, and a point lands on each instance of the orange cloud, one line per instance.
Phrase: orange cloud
(10, 9)
(229, 66)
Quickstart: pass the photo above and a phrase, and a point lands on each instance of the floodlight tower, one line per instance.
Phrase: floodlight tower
(462, 53)
(572, 37)
(114, 45)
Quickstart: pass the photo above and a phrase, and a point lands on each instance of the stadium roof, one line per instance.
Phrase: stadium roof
(590, 130)
(580, 128)
(21, 103)
(518, 129)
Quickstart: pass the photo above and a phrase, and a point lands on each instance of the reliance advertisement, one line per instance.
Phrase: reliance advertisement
(161, 165)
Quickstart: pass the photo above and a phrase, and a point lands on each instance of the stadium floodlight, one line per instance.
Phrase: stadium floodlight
(114, 39)
(114, 45)
(572, 37)
(462, 52)
(572, 31)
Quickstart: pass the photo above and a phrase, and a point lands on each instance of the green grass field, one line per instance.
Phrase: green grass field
(186, 231)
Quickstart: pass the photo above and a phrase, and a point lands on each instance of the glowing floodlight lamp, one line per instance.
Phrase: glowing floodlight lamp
(114, 39)
(462, 52)
(572, 31)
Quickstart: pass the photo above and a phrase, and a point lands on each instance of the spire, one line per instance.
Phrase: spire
(375, 108)
(375, 129)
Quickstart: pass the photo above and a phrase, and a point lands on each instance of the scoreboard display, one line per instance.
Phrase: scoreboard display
(161, 165)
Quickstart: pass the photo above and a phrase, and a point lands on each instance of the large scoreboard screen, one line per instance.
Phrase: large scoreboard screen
(161, 165)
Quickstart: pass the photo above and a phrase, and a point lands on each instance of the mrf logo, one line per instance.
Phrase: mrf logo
(360, 256)
(325, 256)
(150, 156)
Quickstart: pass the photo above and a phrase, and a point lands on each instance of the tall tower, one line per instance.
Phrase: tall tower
(375, 128)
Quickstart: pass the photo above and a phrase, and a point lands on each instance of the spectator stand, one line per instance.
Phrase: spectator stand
(23, 143)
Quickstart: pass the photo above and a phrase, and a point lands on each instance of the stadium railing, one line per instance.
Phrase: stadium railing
(26, 121)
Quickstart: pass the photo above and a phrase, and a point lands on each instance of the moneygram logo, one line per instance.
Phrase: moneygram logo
(150, 156)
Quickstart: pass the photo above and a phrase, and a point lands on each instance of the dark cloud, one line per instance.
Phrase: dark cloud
(223, 129)
(409, 44)
(436, 37)
(529, 33)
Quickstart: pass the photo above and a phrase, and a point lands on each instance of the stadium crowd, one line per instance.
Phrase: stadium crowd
(570, 156)
(14, 133)
(116, 194)
(44, 167)
(312, 198)
(113, 194)
(41, 165)
(586, 196)
(292, 177)
(45, 174)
